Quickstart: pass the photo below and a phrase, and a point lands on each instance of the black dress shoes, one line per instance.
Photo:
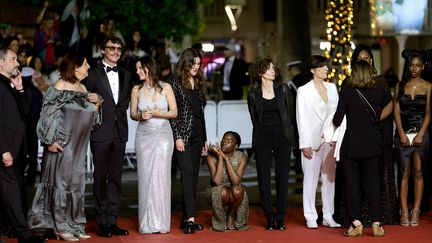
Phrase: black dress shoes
(115, 230)
(189, 227)
(270, 223)
(280, 225)
(104, 231)
(197, 226)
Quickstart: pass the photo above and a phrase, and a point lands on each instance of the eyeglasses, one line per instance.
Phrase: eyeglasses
(113, 48)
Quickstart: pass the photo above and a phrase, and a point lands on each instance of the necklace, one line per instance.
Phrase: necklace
(150, 90)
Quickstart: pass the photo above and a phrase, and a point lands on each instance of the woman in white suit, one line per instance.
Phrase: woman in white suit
(316, 103)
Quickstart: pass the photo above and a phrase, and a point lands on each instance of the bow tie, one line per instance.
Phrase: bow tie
(109, 69)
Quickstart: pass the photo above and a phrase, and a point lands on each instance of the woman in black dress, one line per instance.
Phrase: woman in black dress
(361, 147)
(389, 202)
(412, 115)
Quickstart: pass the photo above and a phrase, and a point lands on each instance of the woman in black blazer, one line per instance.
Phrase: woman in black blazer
(189, 130)
(361, 146)
(272, 113)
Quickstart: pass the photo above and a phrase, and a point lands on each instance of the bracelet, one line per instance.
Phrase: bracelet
(20, 90)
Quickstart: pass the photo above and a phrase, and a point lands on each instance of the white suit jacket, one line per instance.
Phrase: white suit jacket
(314, 116)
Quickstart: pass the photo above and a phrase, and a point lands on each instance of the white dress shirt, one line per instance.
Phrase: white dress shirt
(113, 79)
(227, 72)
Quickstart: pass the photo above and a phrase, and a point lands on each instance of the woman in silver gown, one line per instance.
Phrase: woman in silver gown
(68, 115)
(152, 104)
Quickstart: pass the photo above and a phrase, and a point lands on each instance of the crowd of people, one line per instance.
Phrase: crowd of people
(345, 137)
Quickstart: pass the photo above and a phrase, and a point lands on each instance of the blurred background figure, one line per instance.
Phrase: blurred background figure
(234, 74)
(40, 78)
(33, 115)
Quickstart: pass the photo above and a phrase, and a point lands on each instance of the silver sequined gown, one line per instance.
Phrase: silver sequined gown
(154, 145)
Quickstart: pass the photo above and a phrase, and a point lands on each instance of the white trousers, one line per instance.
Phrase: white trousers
(322, 166)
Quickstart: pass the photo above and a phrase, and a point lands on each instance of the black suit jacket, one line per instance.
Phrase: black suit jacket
(361, 138)
(286, 109)
(114, 116)
(237, 78)
(13, 109)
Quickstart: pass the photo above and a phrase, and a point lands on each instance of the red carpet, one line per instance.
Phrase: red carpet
(296, 232)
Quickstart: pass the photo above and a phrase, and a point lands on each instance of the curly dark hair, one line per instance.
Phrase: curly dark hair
(362, 75)
(184, 65)
(257, 69)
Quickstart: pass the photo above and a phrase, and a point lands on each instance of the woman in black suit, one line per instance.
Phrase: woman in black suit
(272, 113)
(361, 146)
(189, 130)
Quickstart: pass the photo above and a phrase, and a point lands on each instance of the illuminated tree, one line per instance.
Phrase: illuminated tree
(339, 16)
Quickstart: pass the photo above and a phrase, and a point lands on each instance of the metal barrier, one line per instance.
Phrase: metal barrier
(221, 117)
(233, 115)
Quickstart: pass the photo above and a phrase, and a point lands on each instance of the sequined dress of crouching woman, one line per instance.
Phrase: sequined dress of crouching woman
(213, 195)
(154, 146)
(412, 112)
(67, 118)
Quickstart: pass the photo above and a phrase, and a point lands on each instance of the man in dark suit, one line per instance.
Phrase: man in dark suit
(234, 74)
(13, 107)
(108, 142)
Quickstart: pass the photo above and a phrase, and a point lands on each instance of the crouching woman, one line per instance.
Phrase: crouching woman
(226, 195)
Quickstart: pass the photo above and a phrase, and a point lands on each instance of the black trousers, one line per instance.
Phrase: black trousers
(362, 172)
(108, 158)
(11, 208)
(272, 142)
(189, 162)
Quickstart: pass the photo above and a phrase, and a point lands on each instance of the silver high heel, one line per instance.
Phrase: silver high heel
(66, 236)
(82, 236)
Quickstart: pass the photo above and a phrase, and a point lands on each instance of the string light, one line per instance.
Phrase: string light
(339, 16)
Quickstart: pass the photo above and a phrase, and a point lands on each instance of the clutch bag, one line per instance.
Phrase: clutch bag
(411, 137)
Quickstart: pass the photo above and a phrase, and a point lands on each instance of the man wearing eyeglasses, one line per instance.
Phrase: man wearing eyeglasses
(108, 142)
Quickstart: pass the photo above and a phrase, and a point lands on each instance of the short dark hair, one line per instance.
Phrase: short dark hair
(315, 61)
(113, 39)
(67, 67)
(235, 135)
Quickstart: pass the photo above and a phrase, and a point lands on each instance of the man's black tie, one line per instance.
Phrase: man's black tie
(114, 69)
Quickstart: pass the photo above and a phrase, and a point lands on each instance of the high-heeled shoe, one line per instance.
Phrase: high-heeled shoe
(82, 236)
(404, 219)
(66, 236)
(356, 231)
(415, 217)
(377, 230)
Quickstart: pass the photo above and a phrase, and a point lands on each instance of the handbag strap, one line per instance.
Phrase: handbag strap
(369, 107)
